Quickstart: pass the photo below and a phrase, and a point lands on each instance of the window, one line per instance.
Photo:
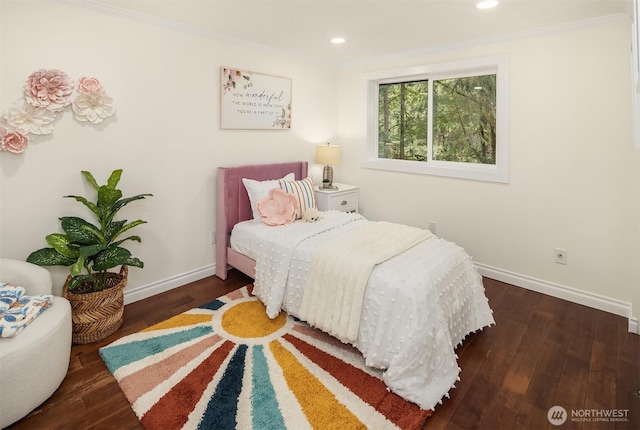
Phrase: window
(402, 120)
(446, 119)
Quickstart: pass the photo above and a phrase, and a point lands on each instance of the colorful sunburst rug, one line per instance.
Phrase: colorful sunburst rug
(226, 365)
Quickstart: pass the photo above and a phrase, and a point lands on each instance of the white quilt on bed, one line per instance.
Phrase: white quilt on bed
(417, 308)
(339, 273)
(274, 255)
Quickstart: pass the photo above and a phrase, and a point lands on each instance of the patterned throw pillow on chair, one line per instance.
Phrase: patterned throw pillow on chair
(17, 310)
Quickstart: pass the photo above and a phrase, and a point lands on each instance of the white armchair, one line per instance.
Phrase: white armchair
(33, 363)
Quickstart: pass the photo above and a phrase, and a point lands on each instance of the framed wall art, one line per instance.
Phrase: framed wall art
(254, 101)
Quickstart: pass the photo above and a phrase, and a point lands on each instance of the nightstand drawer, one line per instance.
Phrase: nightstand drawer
(344, 199)
(347, 202)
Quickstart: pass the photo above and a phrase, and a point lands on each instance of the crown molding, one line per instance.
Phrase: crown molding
(184, 28)
(222, 37)
(507, 37)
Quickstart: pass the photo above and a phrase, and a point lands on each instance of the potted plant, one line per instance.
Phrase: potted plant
(96, 295)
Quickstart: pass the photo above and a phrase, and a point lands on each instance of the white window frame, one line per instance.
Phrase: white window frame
(498, 172)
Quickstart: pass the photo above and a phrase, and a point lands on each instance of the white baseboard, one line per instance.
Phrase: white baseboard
(570, 294)
(161, 286)
(596, 301)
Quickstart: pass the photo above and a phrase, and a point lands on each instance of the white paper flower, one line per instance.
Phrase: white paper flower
(92, 107)
(3, 131)
(27, 118)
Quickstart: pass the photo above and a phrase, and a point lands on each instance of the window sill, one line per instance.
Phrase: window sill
(478, 172)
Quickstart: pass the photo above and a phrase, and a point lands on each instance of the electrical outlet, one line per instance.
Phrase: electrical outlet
(213, 238)
(561, 256)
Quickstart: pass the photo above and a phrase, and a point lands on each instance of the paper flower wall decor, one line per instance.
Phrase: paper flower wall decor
(30, 119)
(50, 89)
(46, 94)
(92, 104)
(12, 141)
(279, 208)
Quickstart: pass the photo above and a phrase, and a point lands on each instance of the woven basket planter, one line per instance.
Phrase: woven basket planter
(97, 315)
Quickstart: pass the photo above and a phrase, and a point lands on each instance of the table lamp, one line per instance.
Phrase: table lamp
(328, 155)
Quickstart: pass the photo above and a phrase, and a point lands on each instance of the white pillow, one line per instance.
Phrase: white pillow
(259, 190)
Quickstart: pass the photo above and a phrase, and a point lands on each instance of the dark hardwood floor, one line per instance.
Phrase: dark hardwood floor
(542, 352)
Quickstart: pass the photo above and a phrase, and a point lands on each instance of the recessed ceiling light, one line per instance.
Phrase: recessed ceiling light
(487, 4)
(338, 40)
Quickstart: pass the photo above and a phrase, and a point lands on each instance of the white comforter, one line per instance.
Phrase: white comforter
(340, 270)
(418, 306)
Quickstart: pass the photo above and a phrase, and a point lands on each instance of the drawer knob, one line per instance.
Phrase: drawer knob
(344, 202)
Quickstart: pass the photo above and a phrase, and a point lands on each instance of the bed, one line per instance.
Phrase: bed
(409, 311)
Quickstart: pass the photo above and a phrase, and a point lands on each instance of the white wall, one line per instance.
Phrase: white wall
(165, 134)
(573, 170)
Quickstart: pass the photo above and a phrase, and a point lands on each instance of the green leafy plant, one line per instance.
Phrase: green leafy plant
(94, 248)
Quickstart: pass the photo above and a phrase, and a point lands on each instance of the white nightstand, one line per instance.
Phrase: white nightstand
(344, 199)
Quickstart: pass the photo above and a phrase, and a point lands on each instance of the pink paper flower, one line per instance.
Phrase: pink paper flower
(90, 86)
(51, 89)
(279, 208)
(14, 142)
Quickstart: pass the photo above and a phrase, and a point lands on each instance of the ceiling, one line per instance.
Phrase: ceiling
(372, 29)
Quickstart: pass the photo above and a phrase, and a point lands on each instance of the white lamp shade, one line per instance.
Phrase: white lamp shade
(329, 155)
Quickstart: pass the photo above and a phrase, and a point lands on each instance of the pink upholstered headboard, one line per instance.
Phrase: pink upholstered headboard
(232, 200)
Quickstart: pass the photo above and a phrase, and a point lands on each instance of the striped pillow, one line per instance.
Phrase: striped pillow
(303, 192)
